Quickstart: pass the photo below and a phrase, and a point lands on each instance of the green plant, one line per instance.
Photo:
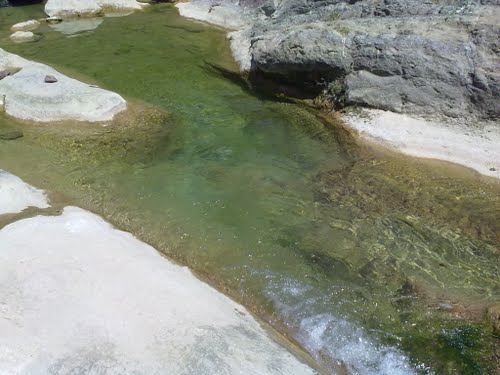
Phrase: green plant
(333, 95)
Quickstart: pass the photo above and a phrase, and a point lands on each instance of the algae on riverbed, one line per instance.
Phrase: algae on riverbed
(261, 199)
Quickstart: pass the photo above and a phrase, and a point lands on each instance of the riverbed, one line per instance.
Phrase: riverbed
(368, 260)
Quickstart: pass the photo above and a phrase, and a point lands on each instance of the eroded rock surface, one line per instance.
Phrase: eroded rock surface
(79, 296)
(26, 26)
(16, 195)
(423, 57)
(88, 8)
(26, 96)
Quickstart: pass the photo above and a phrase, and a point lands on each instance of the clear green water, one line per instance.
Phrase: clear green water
(347, 252)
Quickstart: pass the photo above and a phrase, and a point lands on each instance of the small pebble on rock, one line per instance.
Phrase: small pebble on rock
(50, 79)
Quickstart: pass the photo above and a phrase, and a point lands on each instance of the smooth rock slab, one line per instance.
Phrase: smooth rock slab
(475, 146)
(88, 8)
(27, 97)
(79, 296)
(15, 196)
(23, 36)
(26, 26)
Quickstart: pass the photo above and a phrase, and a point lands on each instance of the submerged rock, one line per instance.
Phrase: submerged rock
(493, 316)
(53, 20)
(26, 26)
(23, 36)
(77, 25)
(9, 134)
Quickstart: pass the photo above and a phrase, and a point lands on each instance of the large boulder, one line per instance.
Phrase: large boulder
(27, 96)
(88, 8)
(411, 56)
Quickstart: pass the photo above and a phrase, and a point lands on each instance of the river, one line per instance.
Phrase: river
(368, 260)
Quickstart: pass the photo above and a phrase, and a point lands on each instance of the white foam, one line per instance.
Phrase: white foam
(327, 336)
(16, 195)
(78, 295)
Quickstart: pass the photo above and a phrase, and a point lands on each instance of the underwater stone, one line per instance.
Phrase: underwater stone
(10, 134)
(52, 20)
(493, 316)
(22, 36)
(26, 26)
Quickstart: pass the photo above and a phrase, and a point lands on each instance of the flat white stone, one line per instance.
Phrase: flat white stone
(28, 97)
(26, 26)
(476, 146)
(16, 195)
(75, 8)
(78, 296)
(22, 36)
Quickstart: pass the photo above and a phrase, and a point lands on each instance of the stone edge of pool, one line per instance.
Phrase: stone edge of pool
(56, 267)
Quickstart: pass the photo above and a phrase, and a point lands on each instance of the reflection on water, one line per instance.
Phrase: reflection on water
(357, 257)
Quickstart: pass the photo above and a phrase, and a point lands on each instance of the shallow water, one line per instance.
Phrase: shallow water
(356, 256)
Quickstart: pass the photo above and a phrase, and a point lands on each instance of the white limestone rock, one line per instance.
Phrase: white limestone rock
(23, 37)
(72, 8)
(230, 17)
(88, 8)
(26, 26)
(28, 97)
(475, 145)
(78, 294)
(16, 195)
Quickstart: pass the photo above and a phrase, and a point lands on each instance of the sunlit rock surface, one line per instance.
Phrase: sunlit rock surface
(76, 8)
(28, 97)
(16, 195)
(79, 296)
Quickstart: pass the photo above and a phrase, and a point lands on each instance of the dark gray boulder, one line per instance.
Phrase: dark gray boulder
(414, 56)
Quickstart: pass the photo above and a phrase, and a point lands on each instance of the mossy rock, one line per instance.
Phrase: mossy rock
(9, 134)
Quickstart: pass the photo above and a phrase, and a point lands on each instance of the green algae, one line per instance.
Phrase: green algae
(238, 187)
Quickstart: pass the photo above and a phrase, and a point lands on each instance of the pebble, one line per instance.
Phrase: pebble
(50, 79)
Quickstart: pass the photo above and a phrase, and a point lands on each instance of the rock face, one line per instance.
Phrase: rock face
(422, 57)
(88, 8)
(26, 96)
